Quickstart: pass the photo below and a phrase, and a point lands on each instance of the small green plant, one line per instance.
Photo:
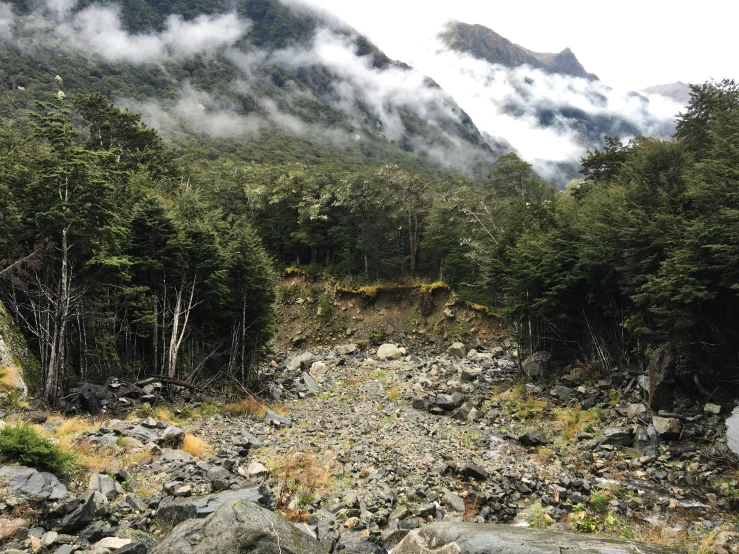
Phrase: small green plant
(588, 428)
(287, 292)
(13, 399)
(614, 396)
(379, 374)
(327, 394)
(599, 502)
(598, 411)
(209, 409)
(582, 521)
(326, 307)
(145, 410)
(613, 526)
(538, 518)
(22, 444)
(376, 336)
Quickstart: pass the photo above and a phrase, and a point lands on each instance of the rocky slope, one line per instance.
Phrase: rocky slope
(360, 444)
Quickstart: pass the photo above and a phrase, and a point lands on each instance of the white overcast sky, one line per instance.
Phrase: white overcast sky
(629, 43)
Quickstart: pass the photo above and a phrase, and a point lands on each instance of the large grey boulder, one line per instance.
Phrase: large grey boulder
(32, 485)
(536, 366)
(619, 436)
(302, 361)
(457, 350)
(80, 517)
(173, 511)
(472, 538)
(388, 352)
(238, 527)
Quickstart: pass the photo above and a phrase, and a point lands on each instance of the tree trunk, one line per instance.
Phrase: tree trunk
(57, 354)
(178, 332)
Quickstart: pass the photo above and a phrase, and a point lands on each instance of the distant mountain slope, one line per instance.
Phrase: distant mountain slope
(488, 45)
(253, 79)
(679, 91)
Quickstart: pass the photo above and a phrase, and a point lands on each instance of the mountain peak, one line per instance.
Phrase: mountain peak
(486, 44)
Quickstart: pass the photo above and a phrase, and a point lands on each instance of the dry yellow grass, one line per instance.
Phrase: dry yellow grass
(74, 426)
(165, 415)
(303, 476)
(394, 395)
(249, 406)
(10, 378)
(573, 419)
(195, 445)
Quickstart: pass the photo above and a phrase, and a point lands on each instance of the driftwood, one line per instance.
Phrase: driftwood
(168, 381)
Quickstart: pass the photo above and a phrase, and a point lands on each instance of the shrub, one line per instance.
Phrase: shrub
(20, 443)
(599, 502)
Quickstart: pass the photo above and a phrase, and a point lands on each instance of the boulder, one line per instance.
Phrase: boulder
(388, 352)
(532, 438)
(732, 431)
(317, 368)
(449, 401)
(633, 410)
(276, 420)
(32, 485)
(80, 517)
(619, 436)
(237, 527)
(536, 366)
(172, 437)
(473, 471)
(105, 485)
(457, 350)
(171, 455)
(110, 544)
(712, 408)
(472, 538)
(301, 362)
(666, 426)
(312, 388)
(345, 349)
(173, 511)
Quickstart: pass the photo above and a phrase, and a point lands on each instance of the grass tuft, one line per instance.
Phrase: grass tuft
(195, 445)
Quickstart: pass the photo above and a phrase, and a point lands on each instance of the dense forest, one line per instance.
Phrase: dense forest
(121, 258)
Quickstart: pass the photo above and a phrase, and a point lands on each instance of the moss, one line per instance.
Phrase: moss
(21, 357)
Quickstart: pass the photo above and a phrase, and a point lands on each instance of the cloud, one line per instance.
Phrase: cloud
(97, 29)
(7, 19)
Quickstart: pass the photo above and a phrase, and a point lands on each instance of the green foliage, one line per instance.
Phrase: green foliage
(21, 444)
(326, 307)
(538, 518)
(582, 521)
(599, 502)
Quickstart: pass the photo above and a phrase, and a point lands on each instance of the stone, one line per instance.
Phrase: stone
(732, 431)
(536, 366)
(133, 548)
(532, 438)
(662, 375)
(472, 470)
(345, 349)
(171, 455)
(33, 486)
(109, 544)
(449, 402)
(712, 408)
(237, 527)
(473, 538)
(312, 388)
(318, 368)
(466, 412)
(619, 436)
(80, 517)
(562, 392)
(633, 410)
(276, 420)
(666, 426)
(36, 417)
(302, 362)
(470, 374)
(105, 485)
(10, 528)
(388, 352)
(457, 350)
(257, 470)
(173, 511)
(172, 437)
(455, 502)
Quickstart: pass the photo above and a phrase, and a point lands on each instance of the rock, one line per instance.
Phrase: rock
(620, 436)
(473, 471)
(533, 389)
(666, 425)
(317, 368)
(712, 408)
(466, 412)
(471, 538)
(388, 352)
(276, 420)
(662, 374)
(10, 528)
(301, 362)
(470, 374)
(105, 485)
(455, 502)
(109, 544)
(256, 469)
(532, 438)
(457, 350)
(237, 527)
(36, 417)
(536, 366)
(312, 387)
(133, 548)
(345, 349)
(80, 517)
(732, 431)
(448, 313)
(172, 437)
(32, 485)
(449, 402)
(634, 410)
(171, 455)
(562, 392)
(174, 511)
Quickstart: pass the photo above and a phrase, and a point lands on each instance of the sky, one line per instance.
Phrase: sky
(630, 43)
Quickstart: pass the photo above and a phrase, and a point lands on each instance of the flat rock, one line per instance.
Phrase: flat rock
(619, 436)
(471, 538)
(666, 425)
(32, 485)
(236, 527)
(388, 352)
(174, 511)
